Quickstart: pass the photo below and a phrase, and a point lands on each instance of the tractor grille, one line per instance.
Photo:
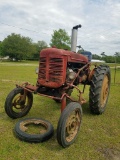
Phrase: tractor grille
(51, 69)
(42, 70)
(55, 69)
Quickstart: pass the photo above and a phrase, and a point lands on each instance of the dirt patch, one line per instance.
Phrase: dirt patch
(18, 64)
(6, 80)
(110, 153)
(117, 67)
(12, 81)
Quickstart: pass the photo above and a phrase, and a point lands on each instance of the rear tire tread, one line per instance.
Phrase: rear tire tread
(95, 88)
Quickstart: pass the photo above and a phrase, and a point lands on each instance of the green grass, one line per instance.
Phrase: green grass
(99, 137)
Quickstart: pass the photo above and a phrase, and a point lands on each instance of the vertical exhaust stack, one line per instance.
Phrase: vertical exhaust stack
(74, 37)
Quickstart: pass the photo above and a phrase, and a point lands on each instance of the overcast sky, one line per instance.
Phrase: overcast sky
(100, 20)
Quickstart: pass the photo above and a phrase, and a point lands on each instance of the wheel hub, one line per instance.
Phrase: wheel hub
(19, 102)
(104, 91)
(72, 125)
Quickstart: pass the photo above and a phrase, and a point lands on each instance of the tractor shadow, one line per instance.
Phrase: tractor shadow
(86, 109)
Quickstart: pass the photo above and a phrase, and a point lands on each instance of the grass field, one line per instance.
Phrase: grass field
(98, 139)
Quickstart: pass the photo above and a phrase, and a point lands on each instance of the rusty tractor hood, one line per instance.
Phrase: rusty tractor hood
(71, 56)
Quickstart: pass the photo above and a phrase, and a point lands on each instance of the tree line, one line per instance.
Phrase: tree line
(107, 58)
(19, 47)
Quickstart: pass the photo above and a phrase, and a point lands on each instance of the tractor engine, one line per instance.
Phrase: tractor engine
(58, 67)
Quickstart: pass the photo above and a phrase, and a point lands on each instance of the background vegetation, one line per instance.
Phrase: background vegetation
(61, 39)
(18, 47)
(99, 137)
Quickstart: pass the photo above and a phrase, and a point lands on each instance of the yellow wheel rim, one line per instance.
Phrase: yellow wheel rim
(72, 125)
(104, 90)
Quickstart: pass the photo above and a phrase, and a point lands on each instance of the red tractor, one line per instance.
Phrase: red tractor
(60, 71)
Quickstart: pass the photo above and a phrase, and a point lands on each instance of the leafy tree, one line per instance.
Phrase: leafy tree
(117, 54)
(95, 56)
(0, 48)
(109, 59)
(39, 46)
(103, 54)
(18, 47)
(117, 57)
(60, 39)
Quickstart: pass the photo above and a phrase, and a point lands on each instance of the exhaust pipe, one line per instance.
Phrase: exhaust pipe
(74, 37)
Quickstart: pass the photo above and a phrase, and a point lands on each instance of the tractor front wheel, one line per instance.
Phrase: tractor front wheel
(69, 124)
(99, 89)
(18, 103)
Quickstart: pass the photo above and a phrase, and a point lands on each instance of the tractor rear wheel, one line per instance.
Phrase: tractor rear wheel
(17, 104)
(69, 124)
(99, 89)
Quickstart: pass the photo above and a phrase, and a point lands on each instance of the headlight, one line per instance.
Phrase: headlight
(72, 75)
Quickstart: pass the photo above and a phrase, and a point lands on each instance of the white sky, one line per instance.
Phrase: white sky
(100, 20)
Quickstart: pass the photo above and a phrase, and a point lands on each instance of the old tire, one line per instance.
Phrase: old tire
(69, 124)
(99, 89)
(44, 133)
(15, 106)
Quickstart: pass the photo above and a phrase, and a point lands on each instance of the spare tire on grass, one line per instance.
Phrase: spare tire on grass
(25, 130)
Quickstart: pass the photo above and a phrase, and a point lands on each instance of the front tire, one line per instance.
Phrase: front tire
(99, 89)
(17, 104)
(69, 124)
